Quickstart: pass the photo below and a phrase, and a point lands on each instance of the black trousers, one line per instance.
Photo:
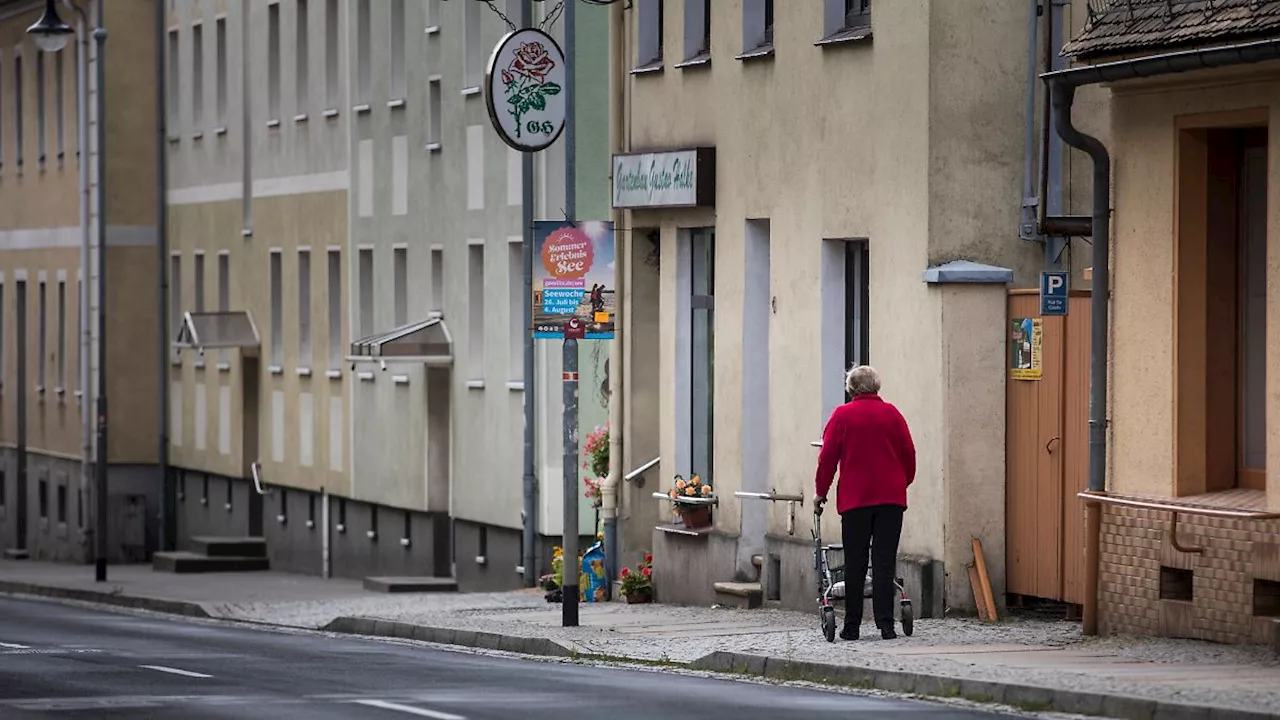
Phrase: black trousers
(873, 531)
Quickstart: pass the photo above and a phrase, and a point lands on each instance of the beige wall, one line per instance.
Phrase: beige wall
(317, 221)
(1142, 358)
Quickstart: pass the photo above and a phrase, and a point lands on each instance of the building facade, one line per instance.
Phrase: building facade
(335, 177)
(46, 497)
(842, 187)
(1187, 540)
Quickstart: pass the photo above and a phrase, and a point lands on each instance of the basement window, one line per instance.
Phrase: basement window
(1266, 598)
(1176, 584)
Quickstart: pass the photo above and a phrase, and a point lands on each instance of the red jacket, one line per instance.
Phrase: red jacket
(870, 441)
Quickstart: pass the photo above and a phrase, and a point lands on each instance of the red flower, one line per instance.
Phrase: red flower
(626, 571)
(648, 557)
(646, 571)
(507, 78)
(532, 61)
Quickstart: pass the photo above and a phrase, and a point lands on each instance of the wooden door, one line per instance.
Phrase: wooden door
(1047, 452)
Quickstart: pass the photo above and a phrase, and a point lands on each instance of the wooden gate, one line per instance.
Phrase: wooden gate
(1047, 455)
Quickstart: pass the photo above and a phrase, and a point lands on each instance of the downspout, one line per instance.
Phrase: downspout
(168, 507)
(86, 330)
(617, 120)
(1027, 229)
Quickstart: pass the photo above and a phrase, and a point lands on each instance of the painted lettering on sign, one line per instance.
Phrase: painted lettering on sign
(656, 179)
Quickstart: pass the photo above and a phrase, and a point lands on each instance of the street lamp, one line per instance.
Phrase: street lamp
(50, 34)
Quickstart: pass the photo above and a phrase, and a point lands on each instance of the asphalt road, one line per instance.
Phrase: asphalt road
(59, 661)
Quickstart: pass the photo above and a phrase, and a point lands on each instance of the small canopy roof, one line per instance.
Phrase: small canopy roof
(215, 330)
(427, 341)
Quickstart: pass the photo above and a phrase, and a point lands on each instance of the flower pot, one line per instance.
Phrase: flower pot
(641, 596)
(695, 516)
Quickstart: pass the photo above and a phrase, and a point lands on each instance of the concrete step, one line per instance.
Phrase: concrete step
(739, 594)
(15, 554)
(189, 562)
(410, 584)
(241, 547)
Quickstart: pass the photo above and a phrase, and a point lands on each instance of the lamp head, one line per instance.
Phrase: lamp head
(49, 32)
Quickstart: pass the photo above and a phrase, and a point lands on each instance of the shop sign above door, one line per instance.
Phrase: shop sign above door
(680, 178)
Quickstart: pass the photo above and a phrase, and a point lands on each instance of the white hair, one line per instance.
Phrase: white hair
(862, 380)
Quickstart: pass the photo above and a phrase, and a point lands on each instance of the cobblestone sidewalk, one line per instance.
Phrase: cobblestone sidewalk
(1046, 661)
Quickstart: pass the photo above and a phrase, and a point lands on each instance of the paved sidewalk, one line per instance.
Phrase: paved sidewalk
(1034, 664)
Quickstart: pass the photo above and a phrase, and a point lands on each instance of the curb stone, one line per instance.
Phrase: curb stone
(171, 607)
(1027, 697)
(449, 636)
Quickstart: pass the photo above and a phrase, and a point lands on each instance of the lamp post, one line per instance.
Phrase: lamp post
(51, 34)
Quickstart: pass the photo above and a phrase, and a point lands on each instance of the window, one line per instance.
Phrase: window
(473, 58)
(331, 53)
(62, 503)
(175, 85)
(220, 30)
(18, 110)
(515, 299)
(40, 116)
(62, 334)
(846, 19)
(335, 309)
(224, 291)
(277, 308)
(364, 60)
(703, 351)
(302, 58)
(649, 27)
(433, 14)
(435, 100)
(59, 105)
(857, 295)
(697, 30)
(44, 498)
(199, 273)
(366, 291)
(175, 300)
(4, 490)
(475, 310)
(397, 28)
(437, 279)
(197, 76)
(304, 308)
(283, 516)
(757, 28)
(273, 62)
(42, 334)
(400, 285)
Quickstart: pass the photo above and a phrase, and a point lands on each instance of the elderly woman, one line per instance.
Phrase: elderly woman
(870, 442)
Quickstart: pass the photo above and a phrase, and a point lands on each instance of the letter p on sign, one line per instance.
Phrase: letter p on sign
(1054, 289)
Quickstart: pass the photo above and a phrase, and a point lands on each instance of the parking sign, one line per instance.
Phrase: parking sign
(1054, 287)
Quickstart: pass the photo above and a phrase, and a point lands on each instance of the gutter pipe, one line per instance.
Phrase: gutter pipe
(617, 122)
(1027, 229)
(168, 505)
(1062, 89)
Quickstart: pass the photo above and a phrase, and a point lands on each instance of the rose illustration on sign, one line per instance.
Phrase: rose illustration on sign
(525, 84)
(567, 254)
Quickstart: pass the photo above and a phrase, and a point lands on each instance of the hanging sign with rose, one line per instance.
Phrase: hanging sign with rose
(524, 90)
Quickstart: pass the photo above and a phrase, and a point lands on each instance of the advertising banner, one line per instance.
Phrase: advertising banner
(573, 280)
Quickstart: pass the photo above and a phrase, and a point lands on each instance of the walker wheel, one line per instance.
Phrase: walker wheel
(908, 618)
(829, 623)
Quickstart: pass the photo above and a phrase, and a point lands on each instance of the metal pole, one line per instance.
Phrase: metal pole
(569, 603)
(100, 531)
(168, 505)
(530, 382)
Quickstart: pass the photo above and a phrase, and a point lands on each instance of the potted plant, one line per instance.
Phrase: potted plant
(637, 585)
(692, 514)
(596, 452)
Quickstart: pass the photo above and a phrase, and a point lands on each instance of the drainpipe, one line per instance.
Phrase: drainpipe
(617, 121)
(86, 330)
(1027, 228)
(168, 507)
(1062, 88)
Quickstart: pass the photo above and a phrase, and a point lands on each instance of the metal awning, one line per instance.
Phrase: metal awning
(216, 330)
(427, 342)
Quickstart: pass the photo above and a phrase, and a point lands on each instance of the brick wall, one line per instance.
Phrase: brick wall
(1230, 593)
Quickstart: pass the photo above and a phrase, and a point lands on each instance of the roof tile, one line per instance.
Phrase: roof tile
(1117, 26)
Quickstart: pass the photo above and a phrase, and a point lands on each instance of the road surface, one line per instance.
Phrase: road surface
(59, 661)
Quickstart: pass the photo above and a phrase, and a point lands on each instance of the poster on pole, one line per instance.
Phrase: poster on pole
(573, 280)
(1026, 336)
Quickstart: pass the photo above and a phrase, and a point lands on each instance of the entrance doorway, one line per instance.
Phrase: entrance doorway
(1220, 295)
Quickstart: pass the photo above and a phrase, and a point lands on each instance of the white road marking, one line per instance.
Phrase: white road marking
(174, 671)
(408, 709)
(14, 646)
